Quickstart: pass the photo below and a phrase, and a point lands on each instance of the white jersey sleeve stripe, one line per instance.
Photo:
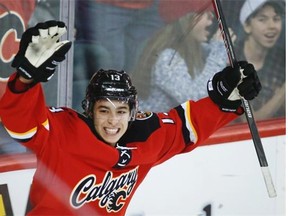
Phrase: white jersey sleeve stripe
(46, 124)
(28, 134)
(25, 135)
(189, 125)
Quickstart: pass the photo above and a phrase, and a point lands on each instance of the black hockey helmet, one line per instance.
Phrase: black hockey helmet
(111, 84)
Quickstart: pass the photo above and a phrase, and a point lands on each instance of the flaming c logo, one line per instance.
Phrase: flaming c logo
(12, 28)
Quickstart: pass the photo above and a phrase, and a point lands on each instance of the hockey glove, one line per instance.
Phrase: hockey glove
(41, 51)
(227, 87)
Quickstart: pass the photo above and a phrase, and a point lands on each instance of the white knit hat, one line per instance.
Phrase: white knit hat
(250, 6)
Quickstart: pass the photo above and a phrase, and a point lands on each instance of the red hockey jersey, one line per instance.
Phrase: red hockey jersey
(77, 173)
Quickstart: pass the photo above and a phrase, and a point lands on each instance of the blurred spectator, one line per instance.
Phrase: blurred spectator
(179, 58)
(263, 23)
(110, 34)
(44, 10)
(119, 27)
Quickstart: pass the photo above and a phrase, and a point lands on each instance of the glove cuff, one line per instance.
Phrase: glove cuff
(16, 86)
(26, 69)
(224, 104)
(41, 74)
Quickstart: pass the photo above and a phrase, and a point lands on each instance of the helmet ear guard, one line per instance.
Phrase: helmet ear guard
(113, 85)
(133, 110)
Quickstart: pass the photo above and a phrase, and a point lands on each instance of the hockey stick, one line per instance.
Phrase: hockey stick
(248, 112)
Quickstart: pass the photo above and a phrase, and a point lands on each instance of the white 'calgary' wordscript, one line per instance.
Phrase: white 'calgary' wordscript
(88, 190)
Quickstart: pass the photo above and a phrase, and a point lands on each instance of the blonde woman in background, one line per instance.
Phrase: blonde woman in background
(180, 57)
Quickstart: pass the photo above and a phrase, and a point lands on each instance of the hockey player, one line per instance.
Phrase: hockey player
(92, 163)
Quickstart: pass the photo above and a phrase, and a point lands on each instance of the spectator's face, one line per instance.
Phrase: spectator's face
(200, 30)
(264, 28)
(111, 119)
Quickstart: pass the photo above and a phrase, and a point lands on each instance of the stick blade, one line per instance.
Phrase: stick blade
(268, 181)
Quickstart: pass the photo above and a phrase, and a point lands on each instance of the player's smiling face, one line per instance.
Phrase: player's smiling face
(111, 118)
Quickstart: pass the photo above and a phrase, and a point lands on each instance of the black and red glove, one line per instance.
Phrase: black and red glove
(41, 51)
(227, 87)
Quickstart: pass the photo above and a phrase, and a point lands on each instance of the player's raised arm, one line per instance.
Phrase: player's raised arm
(225, 90)
(40, 51)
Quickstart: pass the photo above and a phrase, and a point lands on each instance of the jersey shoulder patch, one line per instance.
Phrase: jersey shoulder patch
(143, 115)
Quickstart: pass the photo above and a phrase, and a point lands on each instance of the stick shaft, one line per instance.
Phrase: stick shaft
(247, 107)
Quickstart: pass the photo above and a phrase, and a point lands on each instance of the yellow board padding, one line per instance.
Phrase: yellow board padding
(2, 207)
